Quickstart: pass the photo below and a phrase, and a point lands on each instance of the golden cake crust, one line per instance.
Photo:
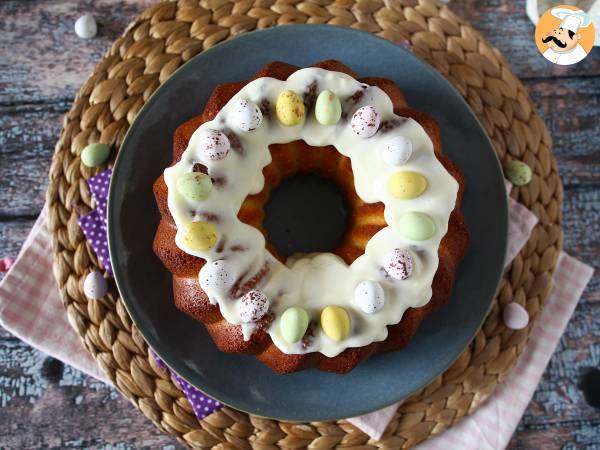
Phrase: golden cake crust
(364, 221)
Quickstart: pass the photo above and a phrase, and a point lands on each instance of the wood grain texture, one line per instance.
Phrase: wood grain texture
(42, 65)
(45, 59)
(28, 136)
(505, 24)
(47, 404)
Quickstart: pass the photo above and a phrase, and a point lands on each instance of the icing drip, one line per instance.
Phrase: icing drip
(316, 281)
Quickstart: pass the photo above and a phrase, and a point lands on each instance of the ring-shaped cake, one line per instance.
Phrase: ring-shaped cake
(403, 195)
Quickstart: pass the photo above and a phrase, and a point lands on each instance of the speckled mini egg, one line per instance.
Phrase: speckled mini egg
(95, 286)
(200, 236)
(335, 322)
(218, 275)
(214, 144)
(289, 108)
(369, 296)
(416, 226)
(406, 185)
(293, 324)
(246, 115)
(365, 121)
(398, 264)
(86, 27)
(515, 316)
(95, 154)
(194, 185)
(328, 108)
(518, 172)
(397, 151)
(253, 306)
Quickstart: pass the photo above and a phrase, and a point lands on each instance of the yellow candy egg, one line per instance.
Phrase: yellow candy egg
(335, 322)
(406, 185)
(200, 236)
(289, 108)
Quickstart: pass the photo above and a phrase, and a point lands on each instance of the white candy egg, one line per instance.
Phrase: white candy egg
(86, 26)
(246, 115)
(397, 151)
(217, 275)
(369, 296)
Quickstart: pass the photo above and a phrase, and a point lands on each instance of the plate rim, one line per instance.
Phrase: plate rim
(153, 344)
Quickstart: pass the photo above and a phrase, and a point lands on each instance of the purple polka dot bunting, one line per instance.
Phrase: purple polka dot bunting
(93, 224)
(159, 362)
(101, 208)
(98, 185)
(202, 404)
(94, 231)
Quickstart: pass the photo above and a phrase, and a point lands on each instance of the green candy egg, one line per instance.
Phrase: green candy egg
(294, 323)
(194, 185)
(416, 226)
(95, 154)
(328, 108)
(518, 172)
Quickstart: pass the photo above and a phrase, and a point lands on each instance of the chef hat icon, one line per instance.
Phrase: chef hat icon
(570, 19)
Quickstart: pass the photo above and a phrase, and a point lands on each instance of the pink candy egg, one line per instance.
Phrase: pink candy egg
(515, 316)
(399, 264)
(365, 121)
(214, 144)
(5, 264)
(95, 286)
(253, 306)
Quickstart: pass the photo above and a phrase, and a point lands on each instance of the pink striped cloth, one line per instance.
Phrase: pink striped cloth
(30, 306)
(31, 309)
(491, 426)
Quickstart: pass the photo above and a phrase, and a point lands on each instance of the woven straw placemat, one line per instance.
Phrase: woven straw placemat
(163, 38)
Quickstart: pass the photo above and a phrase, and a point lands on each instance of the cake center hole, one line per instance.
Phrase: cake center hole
(305, 214)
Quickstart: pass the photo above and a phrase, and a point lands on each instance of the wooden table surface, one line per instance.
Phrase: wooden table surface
(42, 64)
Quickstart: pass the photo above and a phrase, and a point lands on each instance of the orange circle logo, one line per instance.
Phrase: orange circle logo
(564, 35)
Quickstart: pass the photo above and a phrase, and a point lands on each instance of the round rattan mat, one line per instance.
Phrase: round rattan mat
(163, 38)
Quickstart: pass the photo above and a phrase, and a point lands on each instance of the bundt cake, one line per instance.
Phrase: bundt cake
(405, 235)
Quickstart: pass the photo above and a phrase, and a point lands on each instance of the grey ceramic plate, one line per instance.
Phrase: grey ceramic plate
(241, 381)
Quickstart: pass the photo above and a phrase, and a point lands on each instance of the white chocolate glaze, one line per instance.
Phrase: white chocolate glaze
(315, 281)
